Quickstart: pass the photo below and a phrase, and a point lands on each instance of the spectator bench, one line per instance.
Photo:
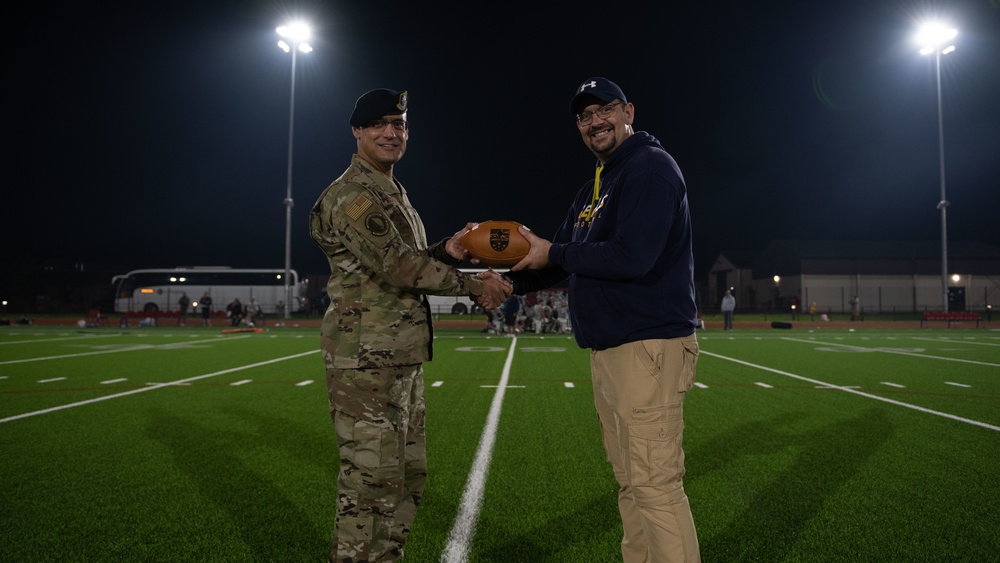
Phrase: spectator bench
(952, 318)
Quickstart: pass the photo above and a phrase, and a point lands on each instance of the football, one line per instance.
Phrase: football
(496, 244)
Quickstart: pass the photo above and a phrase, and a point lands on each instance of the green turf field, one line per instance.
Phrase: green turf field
(172, 444)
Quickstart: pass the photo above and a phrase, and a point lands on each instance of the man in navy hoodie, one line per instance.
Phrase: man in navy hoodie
(625, 247)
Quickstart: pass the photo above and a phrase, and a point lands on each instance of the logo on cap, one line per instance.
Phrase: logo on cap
(585, 85)
(401, 104)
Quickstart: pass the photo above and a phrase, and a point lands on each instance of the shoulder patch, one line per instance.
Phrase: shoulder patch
(358, 206)
(377, 223)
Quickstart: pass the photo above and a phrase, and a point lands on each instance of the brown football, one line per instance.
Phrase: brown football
(496, 244)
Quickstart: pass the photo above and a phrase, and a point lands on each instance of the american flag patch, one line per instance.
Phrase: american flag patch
(358, 206)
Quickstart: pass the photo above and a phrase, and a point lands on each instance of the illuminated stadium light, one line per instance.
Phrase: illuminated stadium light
(932, 36)
(297, 34)
(936, 37)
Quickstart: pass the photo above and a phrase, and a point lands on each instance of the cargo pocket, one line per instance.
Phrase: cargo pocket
(654, 449)
(367, 445)
(689, 365)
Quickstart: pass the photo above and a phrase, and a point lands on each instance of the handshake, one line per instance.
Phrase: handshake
(496, 290)
(491, 244)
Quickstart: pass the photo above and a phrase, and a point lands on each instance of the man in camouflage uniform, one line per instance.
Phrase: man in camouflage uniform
(377, 331)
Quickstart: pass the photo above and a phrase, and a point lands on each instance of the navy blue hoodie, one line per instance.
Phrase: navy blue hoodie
(631, 269)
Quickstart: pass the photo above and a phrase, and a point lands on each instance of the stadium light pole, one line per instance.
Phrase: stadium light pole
(936, 39)
(296, 34)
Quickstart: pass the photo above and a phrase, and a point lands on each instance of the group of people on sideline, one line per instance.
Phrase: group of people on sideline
(251, 314)
(546, 312)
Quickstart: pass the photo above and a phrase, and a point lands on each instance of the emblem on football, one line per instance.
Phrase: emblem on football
(496, 244)
(499, 239)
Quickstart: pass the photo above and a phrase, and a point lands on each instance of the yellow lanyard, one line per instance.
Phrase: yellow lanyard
(589, 216)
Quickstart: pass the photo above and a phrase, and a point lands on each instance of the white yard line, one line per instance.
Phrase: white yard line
(58, 339)
(892, 351)
(116, 350)
(457, 548)
(156, 386)
(954, 341)
(855, 391)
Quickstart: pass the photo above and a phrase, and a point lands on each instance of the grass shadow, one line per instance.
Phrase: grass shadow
(271, 526)
(827, 458)
(591, 533)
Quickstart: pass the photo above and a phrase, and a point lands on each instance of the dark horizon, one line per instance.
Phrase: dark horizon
(157, 136)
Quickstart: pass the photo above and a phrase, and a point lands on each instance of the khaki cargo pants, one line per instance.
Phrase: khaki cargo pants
(639, 391)
(378, 416)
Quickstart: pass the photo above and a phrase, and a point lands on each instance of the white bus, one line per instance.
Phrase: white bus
(159, 289)
(455, 304)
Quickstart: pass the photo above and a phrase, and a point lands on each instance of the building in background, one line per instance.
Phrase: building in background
(884, 276)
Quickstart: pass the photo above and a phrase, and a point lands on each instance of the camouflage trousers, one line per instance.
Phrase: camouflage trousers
(378, 416)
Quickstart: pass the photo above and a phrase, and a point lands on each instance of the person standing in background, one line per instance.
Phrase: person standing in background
(205, 304)
(182, 304)
(728, 306)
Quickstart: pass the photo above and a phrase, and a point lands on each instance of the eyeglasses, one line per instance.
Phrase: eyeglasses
(584, 118)
(397, 124)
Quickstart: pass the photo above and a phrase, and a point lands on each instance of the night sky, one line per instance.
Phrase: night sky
(156, 134)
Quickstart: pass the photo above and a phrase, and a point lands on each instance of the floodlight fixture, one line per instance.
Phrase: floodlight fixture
(936, 38)
(297, 33)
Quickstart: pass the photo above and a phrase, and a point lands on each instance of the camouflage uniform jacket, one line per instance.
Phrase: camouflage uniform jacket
(381, 269)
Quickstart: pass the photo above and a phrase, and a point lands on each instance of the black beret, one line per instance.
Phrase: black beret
(376, 103)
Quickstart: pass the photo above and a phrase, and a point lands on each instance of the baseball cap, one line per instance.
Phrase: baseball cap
(373, 104)
(600, 89)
